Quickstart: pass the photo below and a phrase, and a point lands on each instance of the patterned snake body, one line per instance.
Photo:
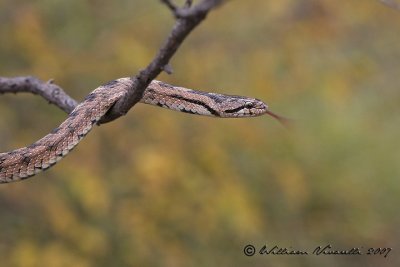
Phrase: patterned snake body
(25, 162)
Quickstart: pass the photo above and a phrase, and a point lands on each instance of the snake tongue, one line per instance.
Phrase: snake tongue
(284, 121)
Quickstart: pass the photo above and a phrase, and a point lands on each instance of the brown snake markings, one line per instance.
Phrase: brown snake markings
(27, 161)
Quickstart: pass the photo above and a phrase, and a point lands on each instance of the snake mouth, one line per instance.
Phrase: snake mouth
(259, 108)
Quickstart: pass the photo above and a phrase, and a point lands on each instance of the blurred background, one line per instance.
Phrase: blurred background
(162, 188)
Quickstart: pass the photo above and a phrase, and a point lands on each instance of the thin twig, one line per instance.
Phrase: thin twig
(170, 5)
(48, 90)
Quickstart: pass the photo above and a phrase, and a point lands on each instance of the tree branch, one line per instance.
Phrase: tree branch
(187, 19)
(48, 90)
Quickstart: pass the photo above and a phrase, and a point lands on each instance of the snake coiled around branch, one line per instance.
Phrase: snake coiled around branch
(27, 161)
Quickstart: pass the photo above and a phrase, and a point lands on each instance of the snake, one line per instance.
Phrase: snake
(25, 162)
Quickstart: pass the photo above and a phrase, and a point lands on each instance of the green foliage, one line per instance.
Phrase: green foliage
(160, 188)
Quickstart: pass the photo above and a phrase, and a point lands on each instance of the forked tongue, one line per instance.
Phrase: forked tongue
(284, 121)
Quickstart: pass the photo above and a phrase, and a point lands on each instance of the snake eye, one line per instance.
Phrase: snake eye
(248, 105)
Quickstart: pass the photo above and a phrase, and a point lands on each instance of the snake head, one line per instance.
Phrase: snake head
(243, 107)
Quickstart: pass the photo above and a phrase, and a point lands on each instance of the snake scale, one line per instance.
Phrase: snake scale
(27, 161)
